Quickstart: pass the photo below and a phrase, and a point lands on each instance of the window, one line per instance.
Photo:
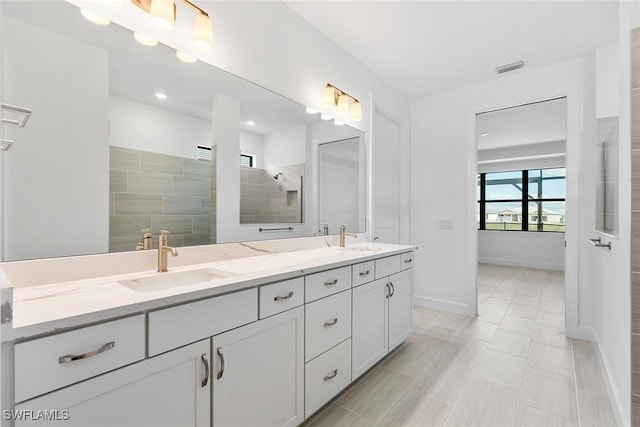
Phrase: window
(247, 160)
(527, 200)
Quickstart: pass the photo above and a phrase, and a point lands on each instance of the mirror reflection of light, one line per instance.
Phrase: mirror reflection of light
(251, 123)
(185, 57)
(92, 17)
(144, 40)
(325, 117)
(161, 95)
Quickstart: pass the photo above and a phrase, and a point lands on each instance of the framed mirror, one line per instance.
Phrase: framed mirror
(125, 138)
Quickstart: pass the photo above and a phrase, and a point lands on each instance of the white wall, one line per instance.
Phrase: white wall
(285, 147)
(522, 248)
(252, 143)
(68, 140)
(149, 128)
(607, 81)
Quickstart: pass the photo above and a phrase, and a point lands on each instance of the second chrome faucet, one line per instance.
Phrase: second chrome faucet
(163, 249)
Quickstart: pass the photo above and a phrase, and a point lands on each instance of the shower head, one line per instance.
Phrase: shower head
(277, 175)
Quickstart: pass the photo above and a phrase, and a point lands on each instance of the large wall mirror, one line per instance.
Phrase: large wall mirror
(125, 137)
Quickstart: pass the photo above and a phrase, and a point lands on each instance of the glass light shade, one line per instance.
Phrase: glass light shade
(162, 14)
(356, 111)
(185, 57)
(92, 17)
(142, 39)
(328, 97)
(203, 32)
(343, 104)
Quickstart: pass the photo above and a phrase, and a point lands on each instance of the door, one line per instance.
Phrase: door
(386, 179)
(369, 322)
(259, 373)
(400, 307)
(167, 390)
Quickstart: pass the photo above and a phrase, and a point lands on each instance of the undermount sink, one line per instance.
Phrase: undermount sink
(176, 279)
(361, 248)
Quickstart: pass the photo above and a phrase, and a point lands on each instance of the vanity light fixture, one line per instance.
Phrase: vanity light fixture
(163, 15)
(144, 40)
(92, 17)
(332, 97)
(185, 57)
(311, 111)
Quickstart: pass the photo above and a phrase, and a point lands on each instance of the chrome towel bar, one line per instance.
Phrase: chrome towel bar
(23, 115)
(598, 243)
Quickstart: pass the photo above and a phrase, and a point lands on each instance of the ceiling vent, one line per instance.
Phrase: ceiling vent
(509, 67)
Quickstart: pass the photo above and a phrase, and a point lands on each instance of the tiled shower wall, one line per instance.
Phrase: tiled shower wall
(265, 200)
(635, 218)
(158, 192)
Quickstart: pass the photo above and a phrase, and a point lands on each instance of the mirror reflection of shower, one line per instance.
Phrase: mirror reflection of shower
(276, 176)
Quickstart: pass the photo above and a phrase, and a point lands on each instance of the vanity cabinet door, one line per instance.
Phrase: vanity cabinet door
(400, 307)
(167, 390)
(258, 377)
(369, 323)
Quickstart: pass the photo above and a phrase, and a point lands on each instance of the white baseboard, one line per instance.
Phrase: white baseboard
(590, 334)
(444, 305)
(520, 263)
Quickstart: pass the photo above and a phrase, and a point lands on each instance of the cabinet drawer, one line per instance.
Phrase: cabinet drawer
(281, 296)
(327, 322)
(406, 260)
(53, 362)
(326, 376)
(387, 266)
(183, 324)
(363, 273)
(325, 283)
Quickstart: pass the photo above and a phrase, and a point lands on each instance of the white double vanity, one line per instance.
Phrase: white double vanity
(266, 339)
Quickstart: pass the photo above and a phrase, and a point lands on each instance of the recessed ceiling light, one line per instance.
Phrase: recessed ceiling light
(142, 39)
(324, 116)
(311, 110)
(161, 95)
(96, 19)
(251, 123)
(484, 134)
(185, 57)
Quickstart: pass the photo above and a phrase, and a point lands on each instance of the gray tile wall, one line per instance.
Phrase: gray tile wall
(635, 226)
(265, 200)
(159, 192)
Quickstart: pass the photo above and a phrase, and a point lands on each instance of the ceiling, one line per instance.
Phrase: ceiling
(424, 47)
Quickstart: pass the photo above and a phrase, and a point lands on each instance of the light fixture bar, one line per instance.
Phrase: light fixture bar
(202, 12)
(338, 91)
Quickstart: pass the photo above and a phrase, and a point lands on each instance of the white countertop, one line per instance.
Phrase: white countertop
(52, 307)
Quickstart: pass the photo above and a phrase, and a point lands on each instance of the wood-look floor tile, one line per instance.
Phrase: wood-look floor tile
(484, 403)
(501, 368)
(336, 415)
(524, 311)
(527, 416)
(376, 394)
(531, 300)
(547, 335)
(464, 350)
(443, 380)
(550, 319)
(587, 368)
(450, 320)
(426, 313)
(416, 409)
(496, 304)
(518, 325)
(549, 392)
(420, 336)
(553, 296)
(511, 343)
(551, 307)
(492, 316)
(595, 410)
(479, 329)
(411, 359)
(551, 359)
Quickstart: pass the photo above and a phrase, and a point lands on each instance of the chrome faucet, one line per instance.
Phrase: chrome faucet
(162, 251)
(343, 234)
(324, 231)
(146, 240)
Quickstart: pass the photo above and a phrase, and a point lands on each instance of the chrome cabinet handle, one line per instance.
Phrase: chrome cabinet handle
(284, 297)
(221, 356)
(393, 289)
(407, 261)
(331, 376)
(364, 273)
(205, 360)
(598, 243)
(71, 357)
(388, 294)
(333, 322)
(333, 282)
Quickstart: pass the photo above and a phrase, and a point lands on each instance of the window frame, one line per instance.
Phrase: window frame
(524, 200)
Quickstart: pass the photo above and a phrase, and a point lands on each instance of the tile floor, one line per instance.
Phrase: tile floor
(510, 366)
